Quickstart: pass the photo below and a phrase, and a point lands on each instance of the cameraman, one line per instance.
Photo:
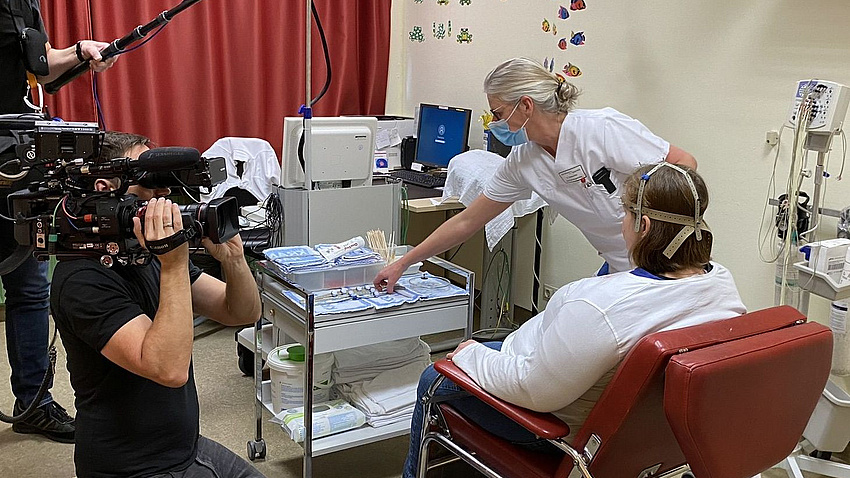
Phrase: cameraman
(26, 286)
(127, 331)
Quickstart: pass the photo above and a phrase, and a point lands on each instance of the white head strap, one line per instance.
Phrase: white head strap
(692, 224)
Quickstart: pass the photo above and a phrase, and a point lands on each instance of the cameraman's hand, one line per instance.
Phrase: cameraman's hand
(229, 251)
(90, 49)
(162, 219)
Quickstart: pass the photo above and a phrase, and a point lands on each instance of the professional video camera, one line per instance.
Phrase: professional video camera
(62, 215)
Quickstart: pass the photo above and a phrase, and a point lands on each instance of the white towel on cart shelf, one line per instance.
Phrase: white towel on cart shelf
(468, 174)
(389, 392)
(367, 362)
(382, 421)
(384, 352)
(389, 397)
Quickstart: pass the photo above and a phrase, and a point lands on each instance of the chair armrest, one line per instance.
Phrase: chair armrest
(543, 425)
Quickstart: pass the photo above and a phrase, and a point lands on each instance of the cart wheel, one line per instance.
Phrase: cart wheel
(246, 360)
(687, 474)
(256, 449)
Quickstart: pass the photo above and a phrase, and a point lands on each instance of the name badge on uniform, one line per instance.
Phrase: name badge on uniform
(573, 175)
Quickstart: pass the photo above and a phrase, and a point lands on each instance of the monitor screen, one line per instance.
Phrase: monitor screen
(443, 133)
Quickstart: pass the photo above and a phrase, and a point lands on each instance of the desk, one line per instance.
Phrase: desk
(418, 231)
(418, 192)
(423, 205)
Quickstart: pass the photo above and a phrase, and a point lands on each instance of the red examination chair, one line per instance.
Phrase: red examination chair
(727, 399)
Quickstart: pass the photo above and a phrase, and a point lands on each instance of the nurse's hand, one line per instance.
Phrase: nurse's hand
(460, 347)
(388, 276)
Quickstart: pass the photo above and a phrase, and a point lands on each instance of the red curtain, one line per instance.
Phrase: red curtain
(223, 67)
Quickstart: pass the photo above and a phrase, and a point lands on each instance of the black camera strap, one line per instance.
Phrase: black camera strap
(167, 244)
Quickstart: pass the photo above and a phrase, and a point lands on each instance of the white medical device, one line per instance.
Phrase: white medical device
(342, 155)
(828, 101)
(816, 115)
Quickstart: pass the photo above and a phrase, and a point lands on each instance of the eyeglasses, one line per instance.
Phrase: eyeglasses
(495, 113)
(497, 116)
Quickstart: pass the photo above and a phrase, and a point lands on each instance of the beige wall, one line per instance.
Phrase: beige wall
(709, 76)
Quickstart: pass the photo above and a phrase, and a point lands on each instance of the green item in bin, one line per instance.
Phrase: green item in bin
(296, 353)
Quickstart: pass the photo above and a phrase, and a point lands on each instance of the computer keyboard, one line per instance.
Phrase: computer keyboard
(426, 180)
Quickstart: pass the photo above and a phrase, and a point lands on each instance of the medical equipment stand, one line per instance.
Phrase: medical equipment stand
(817, 283)
(819, 142)
(328, 333)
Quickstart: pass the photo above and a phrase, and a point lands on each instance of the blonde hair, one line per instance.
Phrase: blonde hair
(520, 77)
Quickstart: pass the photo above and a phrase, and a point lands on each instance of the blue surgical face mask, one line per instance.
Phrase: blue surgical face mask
(503, 133)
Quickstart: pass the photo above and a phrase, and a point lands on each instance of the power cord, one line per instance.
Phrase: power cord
(324, 88)
(502, 294)
(271, 225)
(405, 214)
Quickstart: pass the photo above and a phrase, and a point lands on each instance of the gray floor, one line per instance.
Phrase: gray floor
(226, 416)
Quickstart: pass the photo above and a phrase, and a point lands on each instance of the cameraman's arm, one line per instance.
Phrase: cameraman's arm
(160, 350)
(236, 302)
(61, 60)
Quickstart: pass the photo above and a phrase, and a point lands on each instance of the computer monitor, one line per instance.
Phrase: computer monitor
(443, 133)
(343, 150)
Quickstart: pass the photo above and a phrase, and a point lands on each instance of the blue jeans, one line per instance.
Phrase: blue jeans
(471, 407)
(214, 461)
(27, 306)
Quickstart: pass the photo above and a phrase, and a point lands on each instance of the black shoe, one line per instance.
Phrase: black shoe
(50, 420)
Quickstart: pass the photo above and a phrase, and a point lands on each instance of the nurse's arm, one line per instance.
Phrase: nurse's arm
(453, 232)
(681, 157)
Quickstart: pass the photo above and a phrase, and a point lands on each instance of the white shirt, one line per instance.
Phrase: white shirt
(261, 171)
(561, 360)
(589, 140)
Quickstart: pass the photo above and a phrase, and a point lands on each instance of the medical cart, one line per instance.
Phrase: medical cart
(328, 333)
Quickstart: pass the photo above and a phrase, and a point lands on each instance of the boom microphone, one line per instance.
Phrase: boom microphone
(168, 159)
(118, 46)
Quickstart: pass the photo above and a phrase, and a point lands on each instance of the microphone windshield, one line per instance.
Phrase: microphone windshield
(168, 159)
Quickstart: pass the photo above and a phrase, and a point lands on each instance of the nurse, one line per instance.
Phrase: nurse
(574, 159)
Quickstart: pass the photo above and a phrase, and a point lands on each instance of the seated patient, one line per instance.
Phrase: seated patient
(561, 360)
(127, 331)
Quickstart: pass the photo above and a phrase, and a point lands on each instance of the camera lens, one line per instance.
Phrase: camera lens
(217, 219)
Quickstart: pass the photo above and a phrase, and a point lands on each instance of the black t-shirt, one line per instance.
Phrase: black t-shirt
(127, 425)
(12, 90)
(13, 77)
